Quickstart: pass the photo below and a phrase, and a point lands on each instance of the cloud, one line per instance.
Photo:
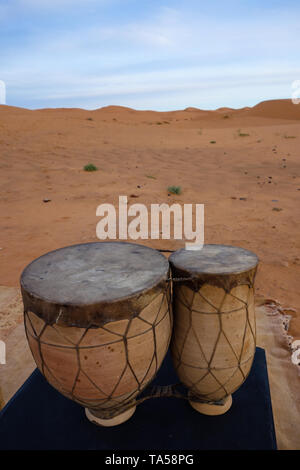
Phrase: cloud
(171, 52)
(199, 80)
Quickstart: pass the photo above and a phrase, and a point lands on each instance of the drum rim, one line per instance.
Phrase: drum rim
(196, 271)
(79, 305)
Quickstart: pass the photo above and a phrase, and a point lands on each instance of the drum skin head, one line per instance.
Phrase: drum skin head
(99, 281)
(214, 259)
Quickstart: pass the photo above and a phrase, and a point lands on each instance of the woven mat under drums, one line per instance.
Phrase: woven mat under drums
(284, 377)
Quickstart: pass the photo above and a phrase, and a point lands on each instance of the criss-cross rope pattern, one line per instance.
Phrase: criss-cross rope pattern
(112, 404)
(203, 365)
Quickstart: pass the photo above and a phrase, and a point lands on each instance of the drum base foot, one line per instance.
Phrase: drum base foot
(115, 421)
(211, 409)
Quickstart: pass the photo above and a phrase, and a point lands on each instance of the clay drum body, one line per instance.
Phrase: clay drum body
(98, 323)
(213, 343)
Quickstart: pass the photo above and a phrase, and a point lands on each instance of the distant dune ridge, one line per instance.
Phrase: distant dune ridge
(275, 109)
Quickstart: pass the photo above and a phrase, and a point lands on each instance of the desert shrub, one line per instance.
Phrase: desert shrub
(90, 167)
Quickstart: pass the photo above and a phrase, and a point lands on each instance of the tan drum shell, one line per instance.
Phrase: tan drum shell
(101, 367)
(214, 338)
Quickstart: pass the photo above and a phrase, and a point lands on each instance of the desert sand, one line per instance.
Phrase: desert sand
(242, 164)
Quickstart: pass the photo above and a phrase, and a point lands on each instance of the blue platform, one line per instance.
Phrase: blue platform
(38, 417)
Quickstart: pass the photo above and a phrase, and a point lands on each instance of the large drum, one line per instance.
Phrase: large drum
(213, 344)
(98, 323)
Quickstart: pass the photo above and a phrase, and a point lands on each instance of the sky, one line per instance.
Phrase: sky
(148, 54)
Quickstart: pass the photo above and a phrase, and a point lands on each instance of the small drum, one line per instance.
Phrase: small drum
(213, 343)
(98, 323)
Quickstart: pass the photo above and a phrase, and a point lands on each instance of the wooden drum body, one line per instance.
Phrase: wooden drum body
(213, 343)
(98, 323)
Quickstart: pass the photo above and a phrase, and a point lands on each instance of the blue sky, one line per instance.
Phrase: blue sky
(148, 54)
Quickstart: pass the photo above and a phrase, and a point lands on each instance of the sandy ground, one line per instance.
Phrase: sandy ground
(248, 179)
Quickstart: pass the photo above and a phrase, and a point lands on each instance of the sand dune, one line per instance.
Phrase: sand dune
(242, 164)
(276, 109)
(281, 109)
